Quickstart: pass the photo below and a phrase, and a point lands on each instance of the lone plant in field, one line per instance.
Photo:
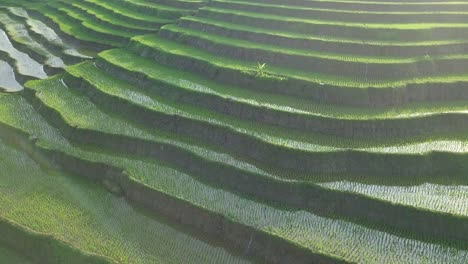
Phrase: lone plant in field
(261, 69)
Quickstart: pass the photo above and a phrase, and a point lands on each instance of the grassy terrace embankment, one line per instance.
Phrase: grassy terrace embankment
(281, 110)
(113, 134)
(381, 6)
(77, 211)
(348, 15)
(223, 200)
(109, 23)
(233, 134)
(329, 131)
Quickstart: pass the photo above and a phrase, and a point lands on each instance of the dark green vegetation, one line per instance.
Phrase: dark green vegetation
(192, 131)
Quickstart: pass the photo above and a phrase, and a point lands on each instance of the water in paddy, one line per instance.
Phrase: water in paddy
(19, 33)
(24, 63)
(8, 82)
(50, 35)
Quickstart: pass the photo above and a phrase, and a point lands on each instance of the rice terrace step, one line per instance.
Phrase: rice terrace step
(234, 131)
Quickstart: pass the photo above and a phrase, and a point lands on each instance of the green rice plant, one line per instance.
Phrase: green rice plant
(92, 219)
(301, 11)
(164, 48)
(113, 87)
(155, 9)
(113, 21)
(97, 123)
(8, 255)
(332, 236)
(128, 14)
(134, 64)
(363, 68)
(333, 38)
(310, 53)
(289, 21)
(277, 136)
(311, 142)
(451, 199)
(115, 125)
(337, 237)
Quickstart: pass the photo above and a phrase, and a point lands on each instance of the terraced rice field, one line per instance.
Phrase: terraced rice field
(233, 131)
